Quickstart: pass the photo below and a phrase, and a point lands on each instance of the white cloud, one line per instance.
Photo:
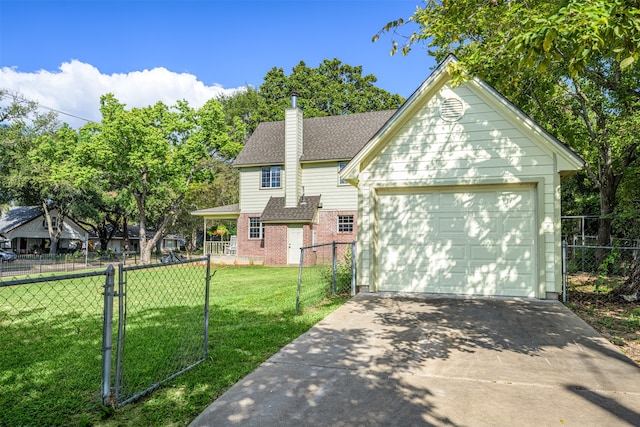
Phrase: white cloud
(76, 88)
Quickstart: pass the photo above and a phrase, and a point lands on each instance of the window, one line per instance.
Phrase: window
(256, 229)
(341, 165)
(54, 222)
(270, 177)
(345, 223)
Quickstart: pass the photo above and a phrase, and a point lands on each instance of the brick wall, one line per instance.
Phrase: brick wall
(274, 246)
(327, 227)
(246, 246)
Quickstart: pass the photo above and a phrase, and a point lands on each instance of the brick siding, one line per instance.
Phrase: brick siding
(274, 246)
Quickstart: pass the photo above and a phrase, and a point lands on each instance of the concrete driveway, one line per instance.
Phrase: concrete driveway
(398, 360)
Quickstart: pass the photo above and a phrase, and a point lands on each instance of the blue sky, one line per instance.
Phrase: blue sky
(66, 54)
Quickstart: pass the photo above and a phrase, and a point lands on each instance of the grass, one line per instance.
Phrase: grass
(51, 353)
(617, 320)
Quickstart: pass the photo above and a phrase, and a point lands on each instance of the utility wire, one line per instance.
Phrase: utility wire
(7, 96)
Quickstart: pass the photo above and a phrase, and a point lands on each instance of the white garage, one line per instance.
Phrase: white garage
(459, 193)
(477, 241)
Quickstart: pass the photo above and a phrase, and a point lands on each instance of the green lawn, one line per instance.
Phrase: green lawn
(251, 318)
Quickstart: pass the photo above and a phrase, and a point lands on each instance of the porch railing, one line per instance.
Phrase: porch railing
(216, 248)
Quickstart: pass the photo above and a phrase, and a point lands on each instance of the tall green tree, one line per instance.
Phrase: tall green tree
(571, 65)
(38, 162)
(332, 88)
(155, 154)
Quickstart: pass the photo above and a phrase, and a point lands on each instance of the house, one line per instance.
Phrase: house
(25, 230)
(117, 244)
(459, 193)
(290, 192)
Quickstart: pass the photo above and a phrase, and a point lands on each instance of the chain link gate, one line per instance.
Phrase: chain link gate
(161, 327)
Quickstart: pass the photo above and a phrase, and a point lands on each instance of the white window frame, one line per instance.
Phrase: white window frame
(252, 227)
(341, 166)
(346, 221)
(271, 170)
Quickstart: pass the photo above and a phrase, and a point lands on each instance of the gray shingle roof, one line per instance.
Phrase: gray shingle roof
(324, 138)
(18, 215)
(304, 212)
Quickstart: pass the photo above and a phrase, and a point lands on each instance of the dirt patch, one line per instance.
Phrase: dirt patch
(617, 320)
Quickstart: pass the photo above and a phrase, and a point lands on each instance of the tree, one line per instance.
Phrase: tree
(333, 88)
(220, 189)
(38, 162)
(154, 155)
(571, 65)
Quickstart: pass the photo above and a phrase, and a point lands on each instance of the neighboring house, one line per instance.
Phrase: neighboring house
(25, 228)
(459, 193)
(290, 192)
(117, 245)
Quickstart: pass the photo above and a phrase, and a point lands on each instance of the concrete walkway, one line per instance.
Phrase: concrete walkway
(383, 360)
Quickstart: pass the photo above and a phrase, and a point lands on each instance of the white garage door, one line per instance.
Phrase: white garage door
(476, 241)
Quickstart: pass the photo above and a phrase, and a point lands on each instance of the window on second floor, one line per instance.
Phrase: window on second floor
(341, 165)
(270, 177)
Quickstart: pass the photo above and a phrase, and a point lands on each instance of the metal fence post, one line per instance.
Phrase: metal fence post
(121, 331)
(107, 335)
(334, 266)
(564, 271)
(299, 280)
(206, 306)
(353, 268)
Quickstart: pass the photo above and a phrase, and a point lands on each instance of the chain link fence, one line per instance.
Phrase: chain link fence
(595, 267)
(50, 345)
(30, 264)
(326, 271)
(73, 343)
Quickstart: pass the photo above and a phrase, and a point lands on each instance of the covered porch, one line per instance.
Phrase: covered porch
(226, 245)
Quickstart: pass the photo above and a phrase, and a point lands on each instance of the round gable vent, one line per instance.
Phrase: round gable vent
(451, 109)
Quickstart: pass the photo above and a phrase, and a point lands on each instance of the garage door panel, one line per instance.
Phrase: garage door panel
(467, 242)
(423, 258)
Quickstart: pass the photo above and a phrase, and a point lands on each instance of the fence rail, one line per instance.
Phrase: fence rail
(325, 270)
(30, 264)
(77, 340)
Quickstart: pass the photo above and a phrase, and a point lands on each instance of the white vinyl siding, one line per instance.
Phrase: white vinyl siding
(321, 178)
(252, 197)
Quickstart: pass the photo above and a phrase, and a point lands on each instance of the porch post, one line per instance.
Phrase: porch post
(204, 236)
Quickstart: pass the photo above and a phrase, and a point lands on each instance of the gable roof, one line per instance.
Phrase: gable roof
(17, 216)
(324, 138)
(571, 161)
(275, 211)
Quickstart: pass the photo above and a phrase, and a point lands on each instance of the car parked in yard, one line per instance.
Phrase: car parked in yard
(7, 256)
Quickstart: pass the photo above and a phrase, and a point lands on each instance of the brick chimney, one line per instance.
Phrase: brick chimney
(292, 153)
